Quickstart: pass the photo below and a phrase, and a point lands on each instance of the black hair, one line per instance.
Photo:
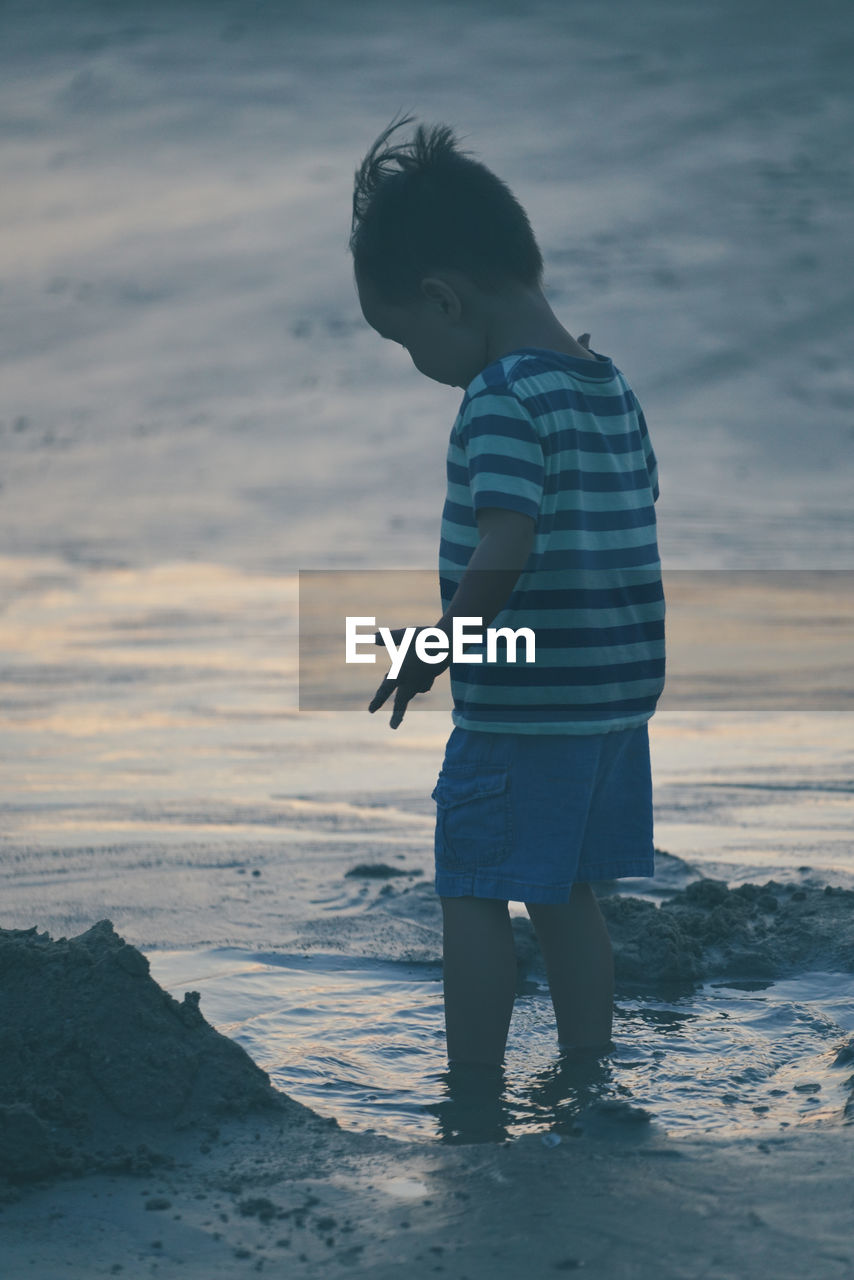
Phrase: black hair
(422, 205)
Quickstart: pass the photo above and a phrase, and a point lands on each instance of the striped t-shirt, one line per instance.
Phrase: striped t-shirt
(563, 440)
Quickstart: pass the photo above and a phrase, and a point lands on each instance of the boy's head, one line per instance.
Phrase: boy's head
(435, 235)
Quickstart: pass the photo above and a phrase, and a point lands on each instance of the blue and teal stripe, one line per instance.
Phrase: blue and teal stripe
(563, 440)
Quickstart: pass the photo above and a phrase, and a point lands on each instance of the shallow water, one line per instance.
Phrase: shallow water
(364, 1042)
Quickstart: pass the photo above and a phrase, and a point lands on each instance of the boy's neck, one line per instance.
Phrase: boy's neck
(524, 318)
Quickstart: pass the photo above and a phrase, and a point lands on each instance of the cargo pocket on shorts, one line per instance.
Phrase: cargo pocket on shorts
(472, 816)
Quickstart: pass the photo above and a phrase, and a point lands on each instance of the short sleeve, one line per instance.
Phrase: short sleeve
(649, 455)
(503, 453)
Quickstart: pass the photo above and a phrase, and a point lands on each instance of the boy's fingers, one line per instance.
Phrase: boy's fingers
(584, 339)
(382, 694)
(404, 694)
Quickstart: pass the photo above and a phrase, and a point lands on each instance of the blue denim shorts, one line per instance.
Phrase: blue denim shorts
(524, 816)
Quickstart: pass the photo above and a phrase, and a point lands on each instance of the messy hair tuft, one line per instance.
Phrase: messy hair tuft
(425, 204)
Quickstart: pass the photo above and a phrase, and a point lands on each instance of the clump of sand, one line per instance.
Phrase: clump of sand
(753, 931)
(97, 1061)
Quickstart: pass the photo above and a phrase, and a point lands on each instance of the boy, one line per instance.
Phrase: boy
(549, 522)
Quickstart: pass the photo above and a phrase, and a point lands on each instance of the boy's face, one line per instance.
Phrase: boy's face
(439, 345)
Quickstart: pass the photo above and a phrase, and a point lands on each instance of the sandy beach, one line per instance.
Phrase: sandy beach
(221, 1036)
(299, 1199)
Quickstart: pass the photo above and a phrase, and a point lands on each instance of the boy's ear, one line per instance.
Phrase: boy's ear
(442, 295)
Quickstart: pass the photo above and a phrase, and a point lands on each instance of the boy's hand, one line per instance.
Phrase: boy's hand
(414, 677)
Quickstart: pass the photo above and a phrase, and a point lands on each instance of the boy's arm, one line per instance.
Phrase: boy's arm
(506, 539)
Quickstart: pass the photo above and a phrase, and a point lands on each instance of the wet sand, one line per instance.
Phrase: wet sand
(307, 1200)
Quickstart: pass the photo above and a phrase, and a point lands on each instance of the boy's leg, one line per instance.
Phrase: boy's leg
(479, 973)
(579, 960)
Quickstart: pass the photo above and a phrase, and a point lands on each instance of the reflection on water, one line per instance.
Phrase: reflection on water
(364, 1042)
(486, 1105)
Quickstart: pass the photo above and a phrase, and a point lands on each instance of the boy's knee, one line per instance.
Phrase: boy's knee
(547, 910)
(471, 906)
(581, 899)
(469, 899)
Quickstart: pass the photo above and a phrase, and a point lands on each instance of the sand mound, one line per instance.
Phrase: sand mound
(710, 931)
(96, 1060)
